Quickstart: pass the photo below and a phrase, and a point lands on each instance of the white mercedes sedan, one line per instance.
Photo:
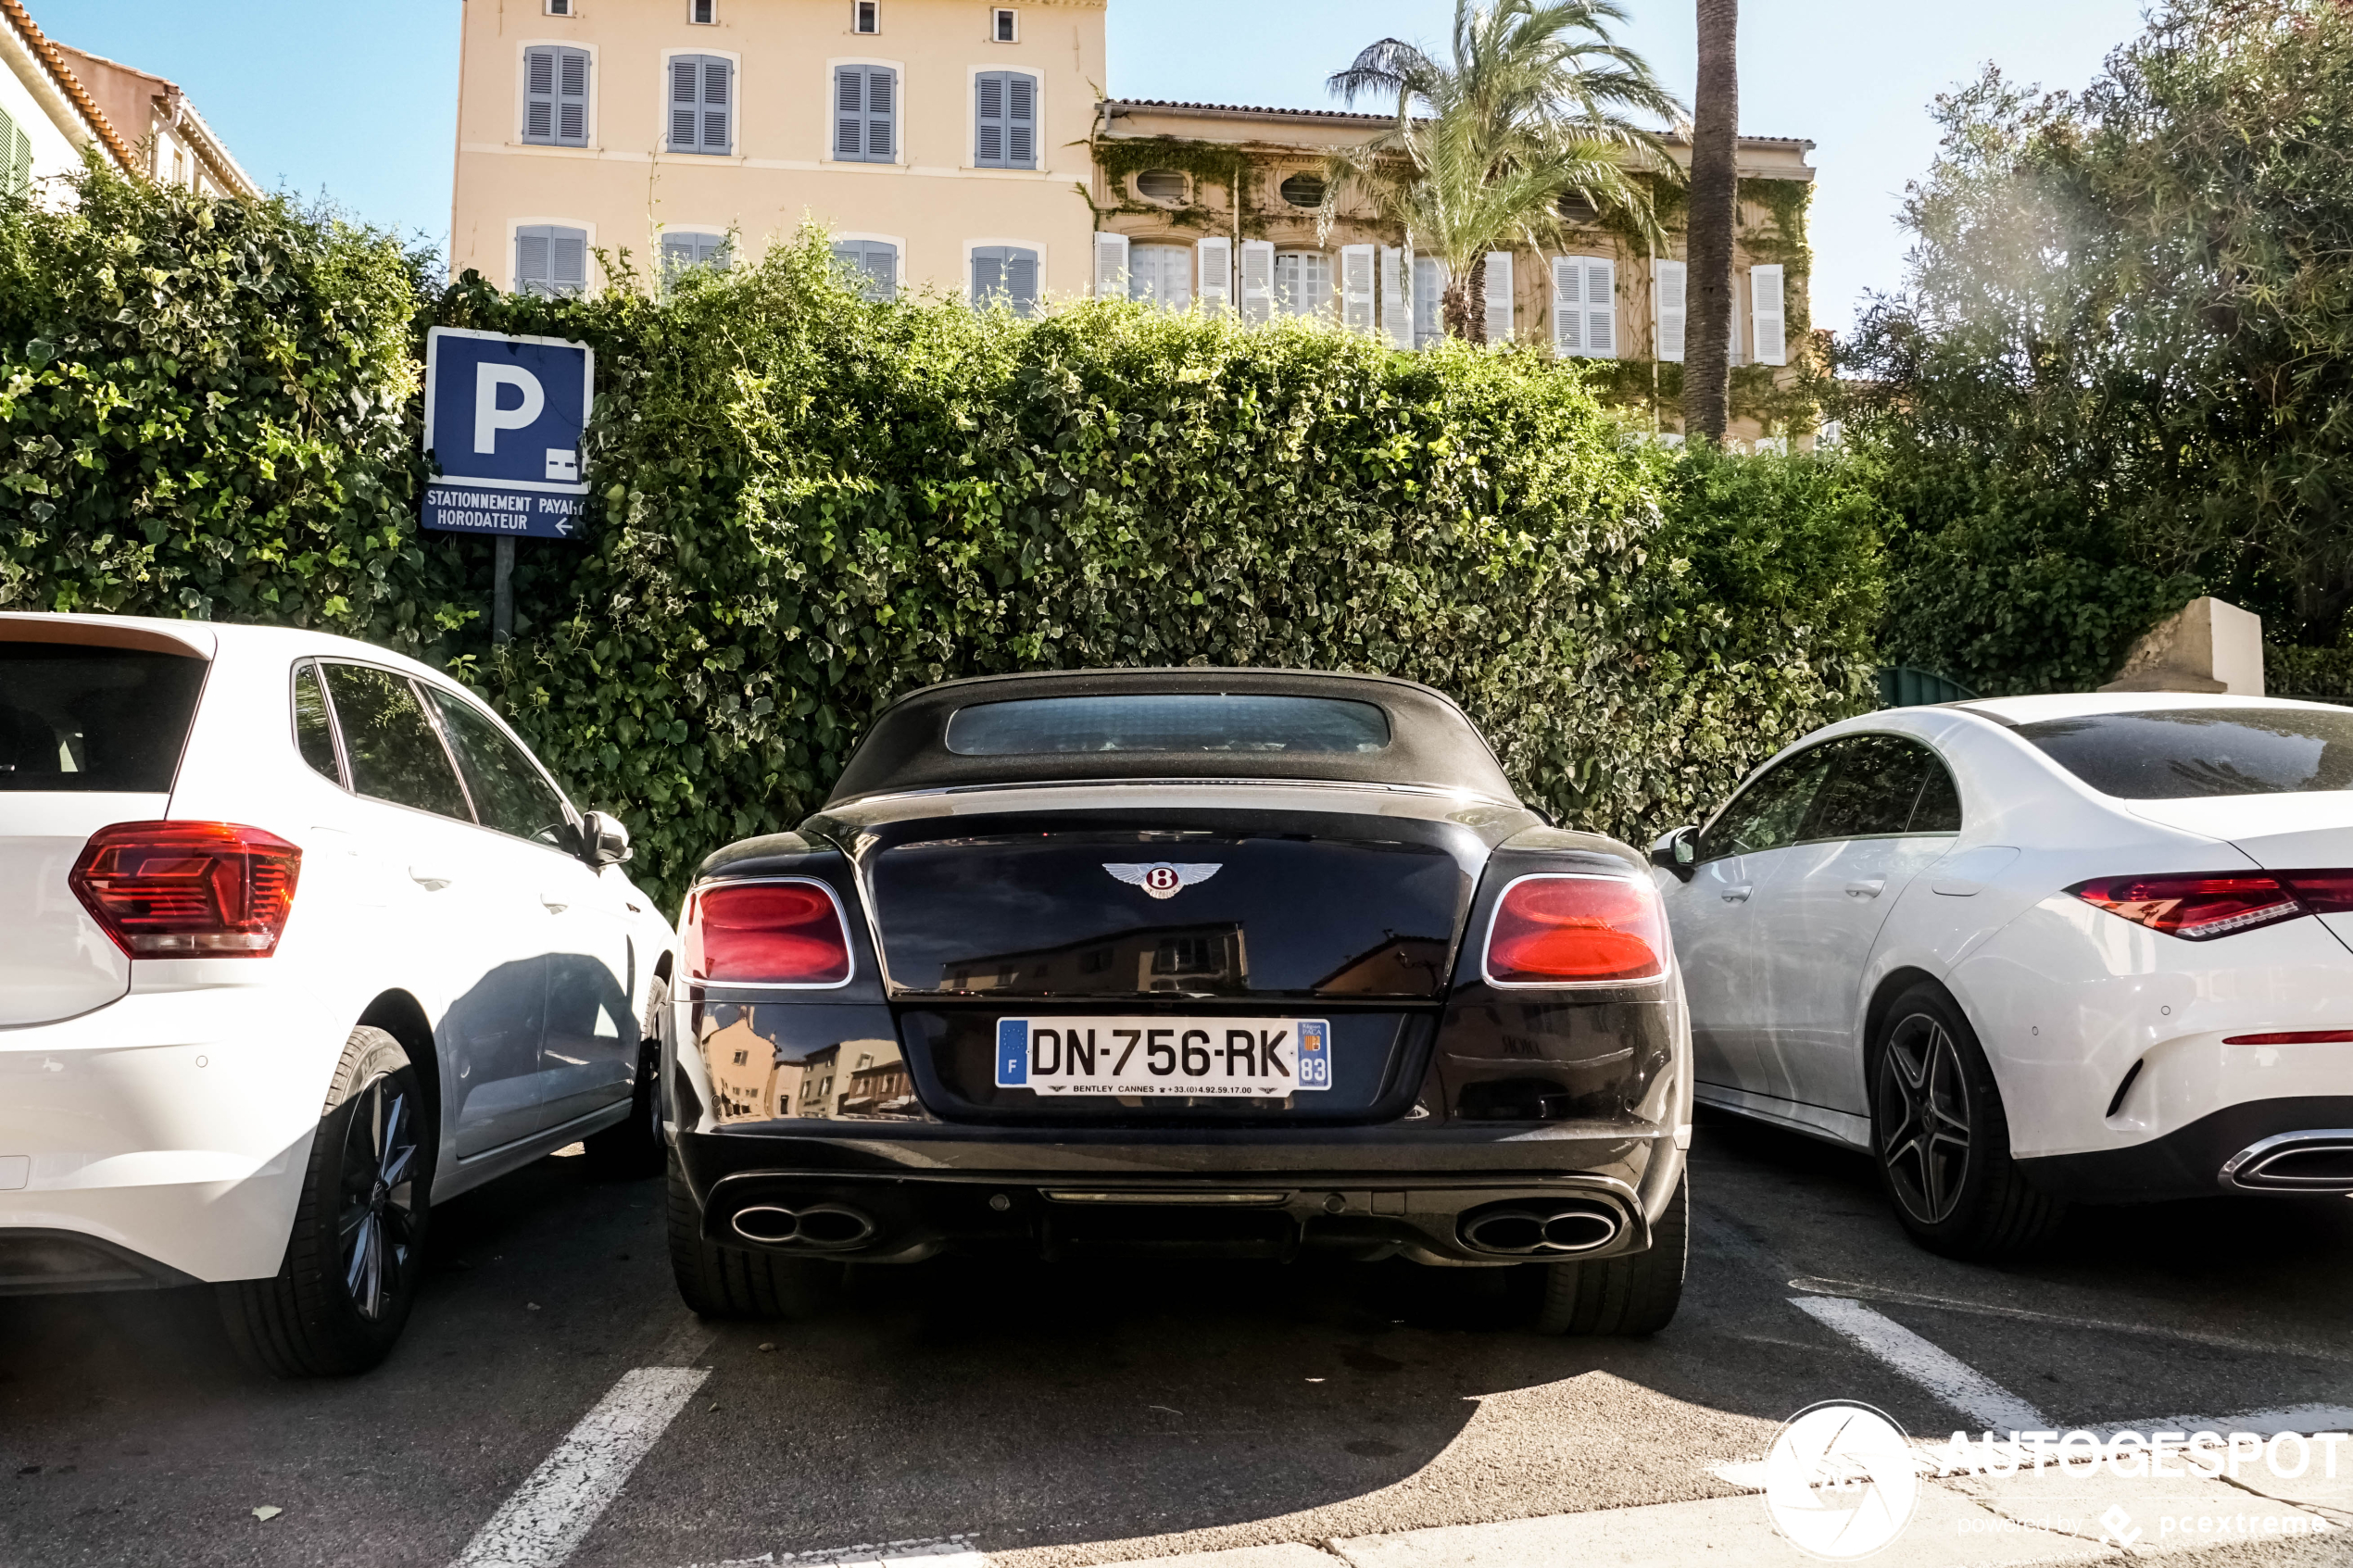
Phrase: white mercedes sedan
(297, 938)
(2034, 951)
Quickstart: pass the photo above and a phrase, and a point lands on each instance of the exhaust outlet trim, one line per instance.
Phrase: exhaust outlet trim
(1531, 1230)
(2319, 1161)
(820, 1227)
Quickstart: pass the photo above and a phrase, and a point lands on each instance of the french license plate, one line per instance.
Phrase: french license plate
(1234, 1058)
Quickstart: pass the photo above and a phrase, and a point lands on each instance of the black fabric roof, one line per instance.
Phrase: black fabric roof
(1433, 744)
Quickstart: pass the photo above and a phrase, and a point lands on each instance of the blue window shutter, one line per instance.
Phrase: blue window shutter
(567, 260)
(989, 136)
(685, 102)
(539, 94)
(531, 259)
(1021, 121)
(571, 97)
(881, 113)
(717, 76)
(850, 113)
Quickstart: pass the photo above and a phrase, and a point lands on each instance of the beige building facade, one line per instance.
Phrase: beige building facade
(662, 127)
(968, 149)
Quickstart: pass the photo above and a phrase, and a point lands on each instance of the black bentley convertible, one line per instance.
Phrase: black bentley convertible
(1180, 962)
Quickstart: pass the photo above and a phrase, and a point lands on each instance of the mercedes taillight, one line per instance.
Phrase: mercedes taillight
(2200, 908)
(785, 933)
(1569, 930)
(188, 890)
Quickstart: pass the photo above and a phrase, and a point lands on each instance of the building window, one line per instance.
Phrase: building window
(1162, 275)
(703, 12)
(1165, 186)
(1007, 276)
(701, 99)
(1002, 26)
(1430, 301)
(179, 168)
(865, 114)
(683, 250)
(1585, 306)
(555, 96)
(866, 15)
(874, 266)
(551, 259)
(1006, 134)
(560, 7)
(1302, 190)
(1302, 282)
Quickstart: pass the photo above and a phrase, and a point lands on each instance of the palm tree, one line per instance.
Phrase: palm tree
(1538, 103)
(1715, 200)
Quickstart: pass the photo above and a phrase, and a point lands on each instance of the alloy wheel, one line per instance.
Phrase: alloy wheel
(376, 1230)
(1924, 1124)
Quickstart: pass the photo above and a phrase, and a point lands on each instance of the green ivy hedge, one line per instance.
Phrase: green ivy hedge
(812, 502)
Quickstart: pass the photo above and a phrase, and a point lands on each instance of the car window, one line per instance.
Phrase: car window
(2187, 754)
(314, 729)
(1768, 813)
(1167, 721)
(394, 750)
(1876, 787)
(509, 792)
(87, 719)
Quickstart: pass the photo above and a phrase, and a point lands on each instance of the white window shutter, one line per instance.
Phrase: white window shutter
(1396, 298)
(1258, 281)
(1668, 297)
(1357, 274)
(1213, 262)
(1499, 296)
(1568, 306)
(1430, 301)
(1601, 306)
(1767, 320)
(1111, 267)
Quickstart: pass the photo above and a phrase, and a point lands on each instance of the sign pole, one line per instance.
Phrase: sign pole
(502, 593)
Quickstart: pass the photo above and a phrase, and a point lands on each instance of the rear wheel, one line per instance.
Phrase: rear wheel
(634, 1145)
(736, 1282)
(355, 1253)
(1633, 1295)
(1943, 1140)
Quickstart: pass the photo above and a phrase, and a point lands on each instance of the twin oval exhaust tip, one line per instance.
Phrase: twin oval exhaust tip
(820, 1227)
(1548, 1229)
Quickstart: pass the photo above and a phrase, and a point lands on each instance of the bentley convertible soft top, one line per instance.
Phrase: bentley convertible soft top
(1180, 962)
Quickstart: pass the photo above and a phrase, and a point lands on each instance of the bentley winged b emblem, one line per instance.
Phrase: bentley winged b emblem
(1160, 878)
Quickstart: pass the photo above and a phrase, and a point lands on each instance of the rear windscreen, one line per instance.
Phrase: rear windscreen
(2187, 754)
(1166, 721)
(94, 719)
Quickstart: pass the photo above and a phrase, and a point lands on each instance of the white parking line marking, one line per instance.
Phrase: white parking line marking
(1960, 1385)
(544, 1519)
(2304, 1419)
(2057, 1320)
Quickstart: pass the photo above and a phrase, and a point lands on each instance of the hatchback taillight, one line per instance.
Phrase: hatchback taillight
(2199, 909)
(188, 890)
(765, 934)
(1563, 930)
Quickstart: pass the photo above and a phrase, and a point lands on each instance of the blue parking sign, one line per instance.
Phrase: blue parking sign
(504, 416)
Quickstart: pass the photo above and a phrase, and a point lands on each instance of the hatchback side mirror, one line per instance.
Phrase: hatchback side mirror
(603, 841)
(1677, 851)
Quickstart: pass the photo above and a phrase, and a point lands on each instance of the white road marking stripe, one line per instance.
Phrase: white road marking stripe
(544, 1519)
(2306, 1418)
(1960, 1385)
(2058, 1320)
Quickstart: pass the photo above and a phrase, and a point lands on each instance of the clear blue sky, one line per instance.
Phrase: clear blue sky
(358, 101)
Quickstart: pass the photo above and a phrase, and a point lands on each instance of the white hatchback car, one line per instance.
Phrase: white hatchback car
(2035, 949)
(296, 938)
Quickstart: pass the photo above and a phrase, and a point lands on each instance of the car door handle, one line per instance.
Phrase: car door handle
(1738, 895)
(431, 879)
(557, 902)
(1870, 887)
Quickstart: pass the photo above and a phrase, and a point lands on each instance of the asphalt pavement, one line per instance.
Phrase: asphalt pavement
(553, 1402)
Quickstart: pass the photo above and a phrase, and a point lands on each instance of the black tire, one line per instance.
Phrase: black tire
(1633, 1295)
(356, 1255)
(1942, 1139)
(736, 1282)
(634, 1147)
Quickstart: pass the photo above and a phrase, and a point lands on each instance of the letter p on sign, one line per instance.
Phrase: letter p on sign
(491, 380)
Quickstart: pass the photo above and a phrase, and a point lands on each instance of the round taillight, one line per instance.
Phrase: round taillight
(1569, 930)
